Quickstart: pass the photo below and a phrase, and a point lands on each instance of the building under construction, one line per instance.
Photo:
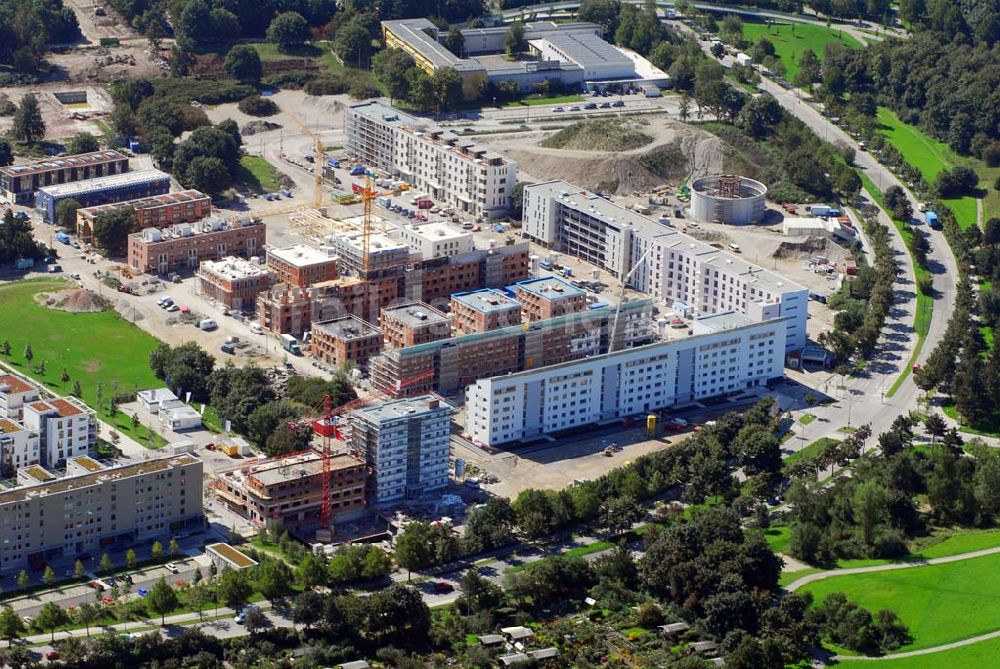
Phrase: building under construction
(287, 491)
(449, 365)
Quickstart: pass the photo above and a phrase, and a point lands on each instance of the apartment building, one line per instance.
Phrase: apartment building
(159, 211)
(287, 492)
(113, 188)
(15, 392)
(384, 255)
(19, 447)
(435, 239)
(451, 169)
(413, 323)
(182, 247)
(347, 339)
(407, 447)
(484, 310)
(301, 265)
(449, 365)
(433, 279)
(689, 275)
(234, 282)
(727, 353)
(65, 427)
(19, 183)
(113, 507)
(548, 297)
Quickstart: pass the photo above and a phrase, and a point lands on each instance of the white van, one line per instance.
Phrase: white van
(735, 248)
(207, 324)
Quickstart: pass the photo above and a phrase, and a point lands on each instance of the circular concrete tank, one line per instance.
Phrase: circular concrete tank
(727, 198)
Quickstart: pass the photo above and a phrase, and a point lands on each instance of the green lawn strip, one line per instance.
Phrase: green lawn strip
(259, 175)
(778, 537)
(788, 577)
(535, 100)
(788, 435)
(810, 451)
(939, 603)
(807, 418)
(575, 552)
(991, 429)
(98, 347)
(791, 39)
(973, 656)
(847, 429)
(320, 52)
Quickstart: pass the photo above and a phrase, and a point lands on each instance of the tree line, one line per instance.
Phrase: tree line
(27, 27)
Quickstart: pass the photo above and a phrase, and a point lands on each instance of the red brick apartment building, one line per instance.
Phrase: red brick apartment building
(157, 211)
(347, 339)
(301, 265)
(233, 282)
(185, 245)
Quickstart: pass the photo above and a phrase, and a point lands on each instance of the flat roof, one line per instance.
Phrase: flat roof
(143, 203)
(724, 320)
(436, 231)
(38, 473)
(412, 32)
(416, 314)
(76, 160)
(232, 555)
(586, 49)
(60, 405)
(621, 218)
(377, 243)
(233, 268)
(15, 384)
(157, 395)
(300, 255)
(102, 183)
(486, 300)
(347, 328)
(88, 463)
(403, 408)
(550, 287)
(308, 463)
(9, 426)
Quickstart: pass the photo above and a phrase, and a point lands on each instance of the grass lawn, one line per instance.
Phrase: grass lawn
(792, 576)
(973, 656)
(810, 451)
(576, 552)
(535, 99)
(94, 348)
(807, 418)
(258, 174)
(963, 542)
(320, 51)
(791, 39)
(939, 603)
(931, 157)
(777, 537)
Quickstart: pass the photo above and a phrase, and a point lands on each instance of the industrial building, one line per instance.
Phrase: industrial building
(728, 198)
(688, 275)
(346, 339)
(727, 353)
(19, 183)
(158, 211)
(571, 55)
(114, 188)
(407, 447)
(483, 310)
(301, 265)
(65, 427)
(449, 365)
(547, 297)
(234, 282)
(413, 323)
(451, 169)
(184, 246)
(95, 512)
(287, 491)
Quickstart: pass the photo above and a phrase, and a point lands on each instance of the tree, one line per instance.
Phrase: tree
(50, 617)
(162, 599)
(288, 30)
(810, 70)
(207, 174)
(534, 514)
(82, 142)
(29, 127)
(79, 571)
(619, 514)
(130, 558)
(6, 153)
(454, 41)
(112, 228)
(870, 501)
(87, 613)
(243, 63)
(397, 615)
(106, 565)
(5, 348)
(311, 572)
(490, 526)
(274, 579)
(447, 84)
(478, 593)
(307, 609)
(391, 67)
(935, 426)
(414, 547)
(173, 548)
(48, 575)
(22, 579)
(11, 625)
(77, 389)
(156, 550)
(254, 619)
(514, 41)
(29, 354)
(233, 588)
(64, 377)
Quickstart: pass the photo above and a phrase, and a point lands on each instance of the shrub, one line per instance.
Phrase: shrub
(258, 106)
(7, 108)
(325, 87)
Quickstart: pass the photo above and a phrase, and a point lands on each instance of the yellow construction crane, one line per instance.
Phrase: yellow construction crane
(366, 227)
(319, 158)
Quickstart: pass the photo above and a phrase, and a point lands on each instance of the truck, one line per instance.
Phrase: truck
(425, 203)
(567, 272)
(24, 263)
(229, 348)
(820, 210)
(290, 344)
(743, 60)
(931, 218)
(62, 237)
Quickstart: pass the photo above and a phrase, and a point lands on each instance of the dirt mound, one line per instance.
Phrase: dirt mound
(811, 246)
(677, 150)
(612, 134)
(74, 300)
(253, 127)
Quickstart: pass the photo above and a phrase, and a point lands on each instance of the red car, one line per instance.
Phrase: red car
(443, 587)
(51, 655)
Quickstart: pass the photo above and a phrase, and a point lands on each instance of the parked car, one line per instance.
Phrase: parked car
(590, 105)
(51, 655)
(142, 592)
(558, 109)
(605, 105)
(172, 568)
(443, 587)
(618, 103)
(574, 108)
(173, 307)
(256, 328)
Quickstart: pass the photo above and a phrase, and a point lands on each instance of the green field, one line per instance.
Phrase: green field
(809, 451)
(320, 52)
(973, 656)
(93, 347)
(931, 157)
(791, 39)
(259, 175)
(939, 603)
(535, 100)
(777, 537)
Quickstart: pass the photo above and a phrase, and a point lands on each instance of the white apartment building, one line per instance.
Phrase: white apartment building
(15, 392)
(451, 169)
(18, 447)
(94, 507)
(407, 445)
(727, 353)
(436, 240)
(65, 427)
(688, 275)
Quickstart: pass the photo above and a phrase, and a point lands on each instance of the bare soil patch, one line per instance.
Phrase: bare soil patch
(73, 300)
